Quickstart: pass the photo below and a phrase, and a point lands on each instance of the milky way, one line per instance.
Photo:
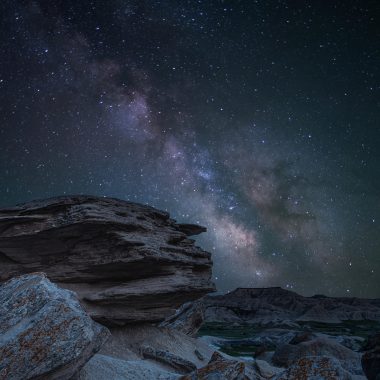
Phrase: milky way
(259, 120)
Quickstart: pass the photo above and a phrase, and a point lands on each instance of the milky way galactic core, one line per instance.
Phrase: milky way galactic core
(257, 119)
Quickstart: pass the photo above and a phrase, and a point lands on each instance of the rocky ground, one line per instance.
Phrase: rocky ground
(97, 288)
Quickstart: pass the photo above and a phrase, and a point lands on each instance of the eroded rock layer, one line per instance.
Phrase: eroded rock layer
(127, 262)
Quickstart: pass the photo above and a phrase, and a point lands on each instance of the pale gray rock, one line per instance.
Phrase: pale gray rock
(102, 367)
(126, 261)
(188, 318)
(127, 343)
(179, 364)
(44, 331)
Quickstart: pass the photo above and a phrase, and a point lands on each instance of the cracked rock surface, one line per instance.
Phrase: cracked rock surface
(44, 331)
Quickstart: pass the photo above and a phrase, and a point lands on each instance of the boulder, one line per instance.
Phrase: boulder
(219, 368)
(371, 357)
(44, 331)
(224, 367)
(179, 365)
(286, 354)
(315, 367)
(127, 262)
(188, 318)
(102, 367)
(170, 348)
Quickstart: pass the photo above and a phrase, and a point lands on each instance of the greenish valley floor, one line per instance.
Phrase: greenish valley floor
(234, 333)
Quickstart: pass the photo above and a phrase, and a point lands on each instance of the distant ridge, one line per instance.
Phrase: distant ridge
(275, 305)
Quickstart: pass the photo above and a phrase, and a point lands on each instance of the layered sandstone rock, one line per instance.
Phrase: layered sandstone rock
(127, 262)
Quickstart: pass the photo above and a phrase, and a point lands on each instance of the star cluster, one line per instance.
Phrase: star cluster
(257, 119)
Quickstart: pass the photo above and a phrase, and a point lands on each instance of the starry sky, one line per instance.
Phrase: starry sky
(257, 119)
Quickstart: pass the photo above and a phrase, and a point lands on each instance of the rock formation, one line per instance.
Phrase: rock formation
(127, 262)
(44, 332)
(132, 265)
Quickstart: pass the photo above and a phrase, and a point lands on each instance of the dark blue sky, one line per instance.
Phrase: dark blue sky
(257, 119)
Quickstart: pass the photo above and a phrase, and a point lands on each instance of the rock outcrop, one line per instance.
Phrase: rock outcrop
(280, 307)
(127, 262)
(44, 331)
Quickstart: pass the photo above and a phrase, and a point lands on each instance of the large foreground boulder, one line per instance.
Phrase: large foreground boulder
(44, 332)
(127, 262)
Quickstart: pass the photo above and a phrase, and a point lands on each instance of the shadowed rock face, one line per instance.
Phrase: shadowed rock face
(127, 262)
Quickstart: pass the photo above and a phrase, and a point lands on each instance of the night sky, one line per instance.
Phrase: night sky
(257, 119)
